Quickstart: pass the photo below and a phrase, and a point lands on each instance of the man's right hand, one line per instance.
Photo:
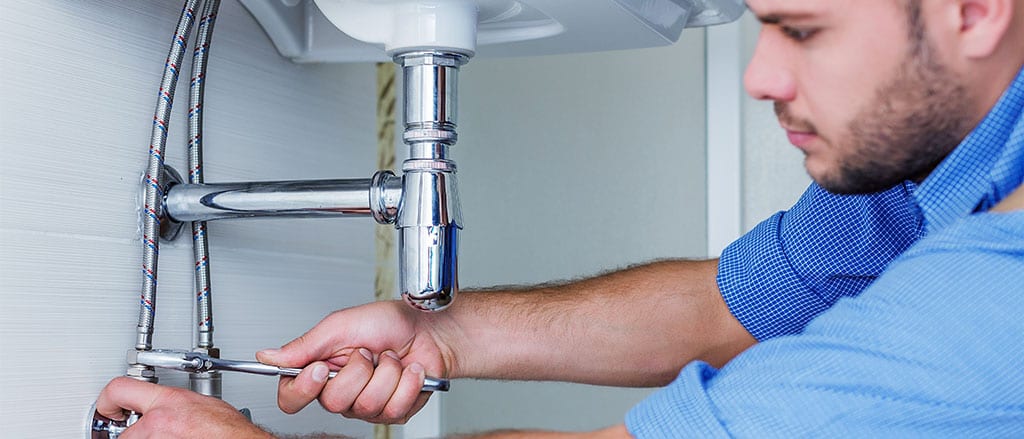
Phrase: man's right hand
(382, 351)
(636, 327)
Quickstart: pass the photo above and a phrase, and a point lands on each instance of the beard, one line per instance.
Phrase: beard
(912, 123)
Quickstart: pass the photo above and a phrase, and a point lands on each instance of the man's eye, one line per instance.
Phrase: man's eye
(796, 34)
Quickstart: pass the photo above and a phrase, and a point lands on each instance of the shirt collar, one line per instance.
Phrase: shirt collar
(983, 169)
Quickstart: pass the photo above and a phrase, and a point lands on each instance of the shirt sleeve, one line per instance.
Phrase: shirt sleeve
(932, 349)
(797, 263)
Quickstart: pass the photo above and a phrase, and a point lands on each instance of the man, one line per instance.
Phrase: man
(915, 103)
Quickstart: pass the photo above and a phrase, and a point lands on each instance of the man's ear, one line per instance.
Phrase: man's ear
(983, 25)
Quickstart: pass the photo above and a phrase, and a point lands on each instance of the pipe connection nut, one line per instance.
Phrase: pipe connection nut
(385, 196)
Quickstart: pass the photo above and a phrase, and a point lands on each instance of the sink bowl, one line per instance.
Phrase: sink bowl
(374, 30)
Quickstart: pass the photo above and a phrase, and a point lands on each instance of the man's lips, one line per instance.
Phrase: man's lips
(801, 139)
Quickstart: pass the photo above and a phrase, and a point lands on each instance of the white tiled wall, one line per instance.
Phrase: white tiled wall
(78, 83)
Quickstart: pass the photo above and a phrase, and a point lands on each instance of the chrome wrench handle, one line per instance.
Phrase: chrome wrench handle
(253, 367)
(430, 384)
(189, 361)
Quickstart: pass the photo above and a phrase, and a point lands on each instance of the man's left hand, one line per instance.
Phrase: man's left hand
(170, 412)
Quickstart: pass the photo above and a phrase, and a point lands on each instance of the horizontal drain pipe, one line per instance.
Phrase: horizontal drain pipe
(378, 197)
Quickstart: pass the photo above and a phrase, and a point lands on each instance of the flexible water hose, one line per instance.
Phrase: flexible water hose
(200, 244)
(153, 198)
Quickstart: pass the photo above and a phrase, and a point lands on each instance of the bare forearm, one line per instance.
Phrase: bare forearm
(313, 436)
(635, 327)
(615, 432)
(518, 434)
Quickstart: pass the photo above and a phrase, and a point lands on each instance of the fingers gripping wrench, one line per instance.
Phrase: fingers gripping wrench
(189, 361)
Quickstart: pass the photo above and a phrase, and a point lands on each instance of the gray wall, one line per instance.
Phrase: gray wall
(78, 83)
(773, 170)
(570, 166)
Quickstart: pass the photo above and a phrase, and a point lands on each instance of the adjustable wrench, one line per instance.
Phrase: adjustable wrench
(195, 362)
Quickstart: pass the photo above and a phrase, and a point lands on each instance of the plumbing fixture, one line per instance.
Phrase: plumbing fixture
(354, 30)
(102, 427)
(378, 197)
(430, 216)
(203, 339)
(155, 185)
(423, 204)
(169, 229)
(204, 382)
(189, 361)
(154, 178)
(207, 383)
(430, 40)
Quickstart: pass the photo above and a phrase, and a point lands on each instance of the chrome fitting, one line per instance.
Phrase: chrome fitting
(204, 339)
(429, 222)
(431, 58)
(138, 371)
(162, 358)
(170, 228)
(206, 383)
(385, 196)
(212, 352)
(103, 427)
(293, 198)
(429, 216)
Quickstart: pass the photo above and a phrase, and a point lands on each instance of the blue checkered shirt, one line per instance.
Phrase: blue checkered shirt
(892, 314)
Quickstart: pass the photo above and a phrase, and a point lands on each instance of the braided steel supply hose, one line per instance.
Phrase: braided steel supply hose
(200, 244)
(153, 199)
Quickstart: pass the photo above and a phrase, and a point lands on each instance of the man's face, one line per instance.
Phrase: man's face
(858, 89)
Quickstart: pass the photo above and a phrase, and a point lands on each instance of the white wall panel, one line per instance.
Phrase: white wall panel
(773, 169)
(569, 166)
(78, 83)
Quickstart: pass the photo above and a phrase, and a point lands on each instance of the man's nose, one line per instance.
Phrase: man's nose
(768, 77)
